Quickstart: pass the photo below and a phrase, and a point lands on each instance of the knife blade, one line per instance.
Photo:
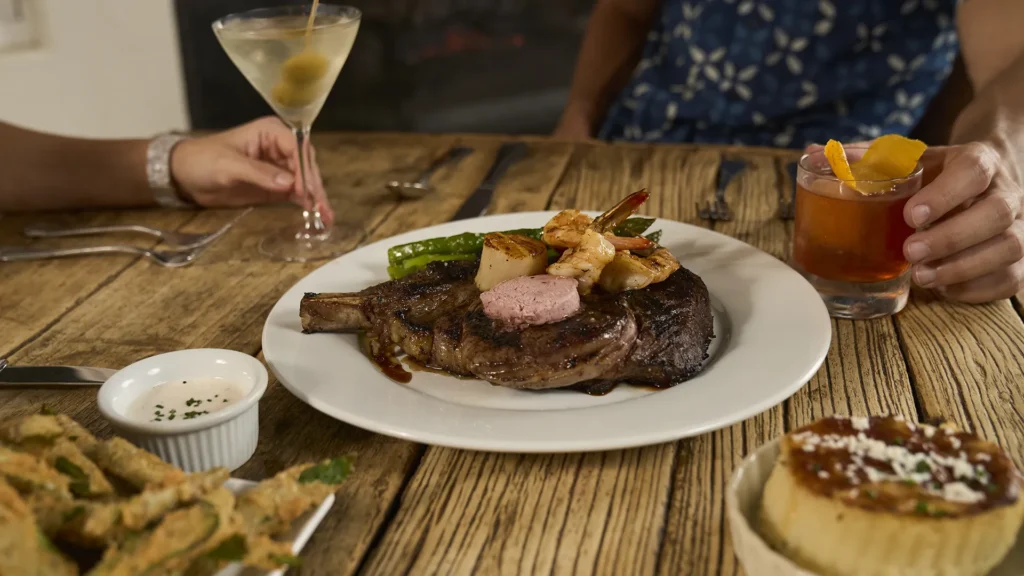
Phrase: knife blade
(54, 375)
(476, 204)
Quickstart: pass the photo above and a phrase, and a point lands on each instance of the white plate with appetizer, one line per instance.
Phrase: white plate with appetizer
(548, 332)
(110, 507)
(880, 495)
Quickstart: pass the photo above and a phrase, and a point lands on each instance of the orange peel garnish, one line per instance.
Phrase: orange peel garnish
(837, 160)
(889, 157)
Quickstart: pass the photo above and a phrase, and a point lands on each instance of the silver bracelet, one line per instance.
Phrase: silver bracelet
(158, 171)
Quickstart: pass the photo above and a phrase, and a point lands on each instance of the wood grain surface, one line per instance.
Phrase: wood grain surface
(411, 509)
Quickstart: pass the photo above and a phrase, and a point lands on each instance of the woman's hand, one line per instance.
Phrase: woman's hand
(971, 243)
(254, 163)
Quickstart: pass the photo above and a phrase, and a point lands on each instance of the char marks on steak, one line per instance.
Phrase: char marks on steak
(656, 336)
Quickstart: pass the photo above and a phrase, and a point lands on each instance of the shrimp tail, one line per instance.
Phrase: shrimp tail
(621, 211)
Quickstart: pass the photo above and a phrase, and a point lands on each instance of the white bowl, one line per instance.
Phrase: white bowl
(225, 438)
(742, 505)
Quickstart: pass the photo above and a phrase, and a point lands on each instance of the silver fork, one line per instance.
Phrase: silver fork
(178, 240)
(719, 209)
(787, 206)
(166, 258)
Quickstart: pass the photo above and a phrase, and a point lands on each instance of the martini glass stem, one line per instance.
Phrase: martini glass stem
(314, 225)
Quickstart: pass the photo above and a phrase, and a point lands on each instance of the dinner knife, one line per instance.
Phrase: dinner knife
(476, 204)
(53, 375)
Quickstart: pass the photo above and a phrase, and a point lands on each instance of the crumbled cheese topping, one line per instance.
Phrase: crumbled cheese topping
(937, 474)
(860, 423)
(929, 431)
(960, 492)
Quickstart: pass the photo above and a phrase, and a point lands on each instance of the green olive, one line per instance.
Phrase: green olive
(306, 67)
(295, 95)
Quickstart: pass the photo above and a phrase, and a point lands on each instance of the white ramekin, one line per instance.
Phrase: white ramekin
(225, 438)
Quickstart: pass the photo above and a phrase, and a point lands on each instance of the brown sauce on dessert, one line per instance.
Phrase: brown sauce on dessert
(890, 464)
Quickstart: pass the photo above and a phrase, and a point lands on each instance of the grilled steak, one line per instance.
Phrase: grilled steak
(656, 336)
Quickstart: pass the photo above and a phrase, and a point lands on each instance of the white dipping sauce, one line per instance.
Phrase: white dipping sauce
(180, 400)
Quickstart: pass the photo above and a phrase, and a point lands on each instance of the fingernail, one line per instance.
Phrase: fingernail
(284, 179)
(924, 276)
(917, 251)
(920, 215)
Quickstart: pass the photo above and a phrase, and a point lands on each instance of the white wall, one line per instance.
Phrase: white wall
(103, 68)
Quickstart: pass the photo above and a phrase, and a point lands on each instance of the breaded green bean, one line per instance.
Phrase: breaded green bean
(140, 468)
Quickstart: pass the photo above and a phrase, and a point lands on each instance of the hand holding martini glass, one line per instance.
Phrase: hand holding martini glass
(292, 55)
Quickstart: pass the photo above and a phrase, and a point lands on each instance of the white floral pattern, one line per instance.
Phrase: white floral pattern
(785, 72)
(789, 49)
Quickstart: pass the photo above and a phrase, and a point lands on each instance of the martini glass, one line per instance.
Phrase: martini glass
(294, 66)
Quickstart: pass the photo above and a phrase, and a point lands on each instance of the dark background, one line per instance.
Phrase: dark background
(417, 65)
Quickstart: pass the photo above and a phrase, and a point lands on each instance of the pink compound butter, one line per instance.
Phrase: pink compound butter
(532, 300)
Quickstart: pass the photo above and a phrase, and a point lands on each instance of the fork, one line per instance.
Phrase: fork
(787, 206)
(178, 240)
(166, 258)
(719, 209)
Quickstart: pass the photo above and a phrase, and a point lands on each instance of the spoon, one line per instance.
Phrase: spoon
(422, 187)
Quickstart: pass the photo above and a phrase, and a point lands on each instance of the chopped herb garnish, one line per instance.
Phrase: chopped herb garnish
(815, 467)
(329, 472)
(216, 395)
(194, 414)
(47, 411)
(922, 466)
(898, 441)
(909, 482)
(871, 494)
(160, 406)
(922, 507)
(225, 400)
(171, 417)
(73, 438)
(992, 488)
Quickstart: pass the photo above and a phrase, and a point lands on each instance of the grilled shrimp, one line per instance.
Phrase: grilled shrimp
(566, 229)
(631, 272)
(585, 261)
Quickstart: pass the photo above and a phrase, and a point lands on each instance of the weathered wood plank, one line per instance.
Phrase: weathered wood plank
(967, 365)
(36, 294)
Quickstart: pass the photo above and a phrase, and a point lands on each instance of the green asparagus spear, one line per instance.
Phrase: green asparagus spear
(406, 267)
(471, 243)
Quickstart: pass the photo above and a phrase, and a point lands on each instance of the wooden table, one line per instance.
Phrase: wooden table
(426, 510)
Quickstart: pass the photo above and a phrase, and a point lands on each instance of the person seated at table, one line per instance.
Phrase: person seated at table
(253, 163)
(796, 72)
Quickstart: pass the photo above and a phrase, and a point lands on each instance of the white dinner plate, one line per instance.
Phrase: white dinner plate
(772, 333)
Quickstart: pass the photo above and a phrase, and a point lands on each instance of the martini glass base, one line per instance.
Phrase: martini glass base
(296, 244)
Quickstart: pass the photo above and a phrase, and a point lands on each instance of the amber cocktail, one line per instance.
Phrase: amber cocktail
(849, 244)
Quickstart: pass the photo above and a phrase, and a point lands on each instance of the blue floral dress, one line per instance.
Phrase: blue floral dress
(785, 73)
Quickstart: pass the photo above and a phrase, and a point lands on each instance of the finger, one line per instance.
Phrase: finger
(998, 285)
(238, 169)
(976, 261)
(992, 214)
(965, 175)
